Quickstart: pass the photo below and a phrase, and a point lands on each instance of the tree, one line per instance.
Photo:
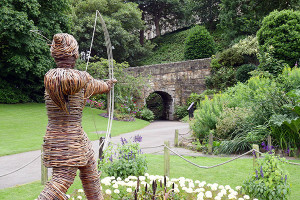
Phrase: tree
(199, 44)
(207, 11)
(280, 32)
(24, 56)
(123, 21)
(169, 12)
(239, 18)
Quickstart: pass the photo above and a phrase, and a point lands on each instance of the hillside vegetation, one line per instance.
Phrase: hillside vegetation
(168, 48)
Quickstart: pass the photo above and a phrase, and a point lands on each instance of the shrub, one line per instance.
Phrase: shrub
(269, 180)
(124, 161)
(242, 73)
(222, 79)
(147, 114)
(10, 94)
(229, 121)
(199, 44)
(181, 111)
(206, 116)
(269, 63)
(243, 52)
(281, 30)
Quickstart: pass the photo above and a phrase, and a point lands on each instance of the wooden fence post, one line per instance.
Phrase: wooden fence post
(44, 171)
(269, 142)
(255, 155)
(210, 143)
(167, 159)
(176, 138)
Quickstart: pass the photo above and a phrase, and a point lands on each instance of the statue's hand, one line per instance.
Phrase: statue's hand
(111, 82)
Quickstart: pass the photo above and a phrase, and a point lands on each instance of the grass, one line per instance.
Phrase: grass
(23, 126)
(169, 48)
(232, 174)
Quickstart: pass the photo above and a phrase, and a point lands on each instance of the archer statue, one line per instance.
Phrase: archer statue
(66, 146)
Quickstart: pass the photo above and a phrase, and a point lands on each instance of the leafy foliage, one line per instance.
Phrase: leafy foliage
(269, 180)
(281, 30)
(242, 73)
(124, 161)
(181, 111)
(199, 44)
(24, 56)
(123, 21)
(243, 17)
(221, 79)
(155, 103)
(147, 114)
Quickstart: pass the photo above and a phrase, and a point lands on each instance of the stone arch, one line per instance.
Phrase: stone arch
(168, 103)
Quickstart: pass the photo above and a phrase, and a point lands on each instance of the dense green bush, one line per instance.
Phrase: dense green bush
(243, 52)
(10, 94)
(199, 44)
(269, 179)
(242, 73)
(147, 114)
(267, 62)
(281, 30)
(222, 79)
(206, 116)
(181, 111)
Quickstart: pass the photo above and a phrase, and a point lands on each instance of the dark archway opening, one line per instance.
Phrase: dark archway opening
(160, 104)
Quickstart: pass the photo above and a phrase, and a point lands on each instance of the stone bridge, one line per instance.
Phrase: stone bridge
(174, 82)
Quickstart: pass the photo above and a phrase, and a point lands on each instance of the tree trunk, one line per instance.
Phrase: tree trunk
(156, 22)
(142, 31)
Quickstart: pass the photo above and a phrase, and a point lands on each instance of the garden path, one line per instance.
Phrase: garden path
(153, 135)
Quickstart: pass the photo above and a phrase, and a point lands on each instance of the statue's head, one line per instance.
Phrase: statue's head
(64, 50)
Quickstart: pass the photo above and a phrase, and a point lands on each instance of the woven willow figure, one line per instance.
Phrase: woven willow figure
(66, 146)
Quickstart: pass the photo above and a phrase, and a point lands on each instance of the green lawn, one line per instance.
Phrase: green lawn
(22, 126)
(232, 174)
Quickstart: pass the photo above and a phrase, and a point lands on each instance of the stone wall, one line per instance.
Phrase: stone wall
(178, 79)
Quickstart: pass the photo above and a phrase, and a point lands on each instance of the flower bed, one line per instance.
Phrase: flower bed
(149, 186)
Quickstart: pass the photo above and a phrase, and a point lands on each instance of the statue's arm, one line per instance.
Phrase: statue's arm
(95, 86)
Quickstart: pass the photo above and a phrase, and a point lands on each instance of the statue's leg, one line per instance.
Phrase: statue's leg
(56, 188)
(91, 180)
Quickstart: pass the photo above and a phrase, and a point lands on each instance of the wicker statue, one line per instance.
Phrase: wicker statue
(66, 146)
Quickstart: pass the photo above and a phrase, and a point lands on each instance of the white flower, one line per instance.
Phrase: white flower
(191, 185)
(231, 196)
(80, 190)
(129, 190)
(184, 188)
(240, 199)
(214, 188)
(119, 179)
(227, 187)
(231, 191)
(146, 174)
(142, 178)
(246, 197)
(115, 185)
(217, 198)
(116, 191)
(112, 177)
(200, 195)
(208, 194)
(189, 190)
(224, 191)
(176, 190)
(197, 181)
(220, 194)
(126, 179)
(79, 197)
(255, 199)
(221, 187)
(238, 188)
(108, 191)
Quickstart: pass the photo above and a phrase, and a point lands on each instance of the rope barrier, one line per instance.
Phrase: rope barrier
(209, 167)
(20, 167)
(152, 147)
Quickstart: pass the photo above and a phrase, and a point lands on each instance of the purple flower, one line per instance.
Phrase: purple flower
(111, 158)
(261, 172)
(287, 151)
(256, 174)
(285, 178)
(254, 154)
(137, 138)
(123, 140)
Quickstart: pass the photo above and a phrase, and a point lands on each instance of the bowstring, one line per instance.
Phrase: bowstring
(111, 76)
